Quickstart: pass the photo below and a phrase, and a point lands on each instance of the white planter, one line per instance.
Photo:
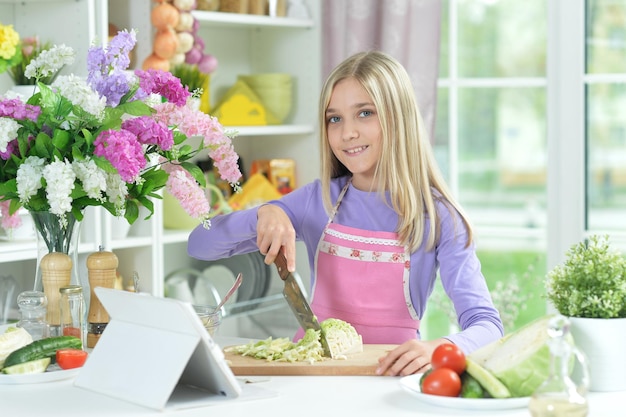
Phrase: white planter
(604, 342)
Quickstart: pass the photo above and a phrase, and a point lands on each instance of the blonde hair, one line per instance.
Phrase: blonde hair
(407, 167)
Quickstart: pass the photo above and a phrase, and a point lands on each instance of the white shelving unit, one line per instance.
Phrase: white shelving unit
(243, 44)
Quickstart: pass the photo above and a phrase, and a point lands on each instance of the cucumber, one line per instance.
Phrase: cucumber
(470, 387)
(44, 348)
(487, 380)
(33, 367)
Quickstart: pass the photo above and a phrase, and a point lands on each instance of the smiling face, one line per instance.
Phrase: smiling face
(354, 132)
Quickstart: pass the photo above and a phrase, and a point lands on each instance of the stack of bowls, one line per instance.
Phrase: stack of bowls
(275, 90)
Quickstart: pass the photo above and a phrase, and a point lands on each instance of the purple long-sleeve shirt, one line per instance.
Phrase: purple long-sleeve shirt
(459, 268)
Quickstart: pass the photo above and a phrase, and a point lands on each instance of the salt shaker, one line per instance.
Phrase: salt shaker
(32, 305)
(564, 393)
(72, 312)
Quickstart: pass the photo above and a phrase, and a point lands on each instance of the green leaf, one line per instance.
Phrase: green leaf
(132, 211)
(195, 172)
(61, 139)
(43, 146)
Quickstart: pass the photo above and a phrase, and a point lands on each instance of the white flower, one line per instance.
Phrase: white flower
(8, 132)
(94, 179)
(29, 177)
(80, 94)
(60, 179)
(117, 190)
(49, 62)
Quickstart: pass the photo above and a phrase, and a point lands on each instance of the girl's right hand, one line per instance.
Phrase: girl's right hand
(275, 231)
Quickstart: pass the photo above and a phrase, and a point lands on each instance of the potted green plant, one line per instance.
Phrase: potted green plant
(589, 287)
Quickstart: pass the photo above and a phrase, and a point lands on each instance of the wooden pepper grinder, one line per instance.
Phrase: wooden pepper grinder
(56, 273)
(102, 268)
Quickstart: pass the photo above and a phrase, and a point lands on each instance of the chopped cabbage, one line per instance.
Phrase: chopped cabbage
(13, 339)
(342, 338)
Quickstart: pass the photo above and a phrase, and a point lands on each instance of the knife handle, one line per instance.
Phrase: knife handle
(281, 265)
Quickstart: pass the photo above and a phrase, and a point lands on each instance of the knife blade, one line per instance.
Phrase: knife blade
(298, 303)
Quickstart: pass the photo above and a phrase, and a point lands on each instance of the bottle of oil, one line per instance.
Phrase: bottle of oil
(564, 393)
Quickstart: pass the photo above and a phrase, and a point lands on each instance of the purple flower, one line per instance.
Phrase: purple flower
(106, 67)
(150, 132)
(12, 147)
(163, 83)
(123, 150)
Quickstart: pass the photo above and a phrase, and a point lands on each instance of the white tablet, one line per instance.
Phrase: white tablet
(152, 346)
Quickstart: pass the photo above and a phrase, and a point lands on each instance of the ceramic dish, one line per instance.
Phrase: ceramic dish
(49, 376)
(411, 384)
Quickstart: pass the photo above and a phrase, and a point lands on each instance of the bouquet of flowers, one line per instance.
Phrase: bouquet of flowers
(10, 53)
(113, 139)
(31, 49)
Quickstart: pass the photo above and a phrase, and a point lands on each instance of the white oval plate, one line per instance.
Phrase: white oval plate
(48, 376)
(411, 384)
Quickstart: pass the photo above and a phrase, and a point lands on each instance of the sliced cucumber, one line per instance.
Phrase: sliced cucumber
(43, 348)
(488, 381)
(32, 367)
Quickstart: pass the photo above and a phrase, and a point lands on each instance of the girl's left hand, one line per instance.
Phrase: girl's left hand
(409, 358)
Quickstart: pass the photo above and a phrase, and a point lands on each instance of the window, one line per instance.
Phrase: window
(491, 142)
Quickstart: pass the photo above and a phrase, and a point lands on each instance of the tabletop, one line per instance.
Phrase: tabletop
(266, 396)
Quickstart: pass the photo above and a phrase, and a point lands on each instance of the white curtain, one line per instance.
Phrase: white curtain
(405, 29)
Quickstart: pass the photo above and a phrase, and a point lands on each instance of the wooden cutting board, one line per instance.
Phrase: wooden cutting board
(363, 363)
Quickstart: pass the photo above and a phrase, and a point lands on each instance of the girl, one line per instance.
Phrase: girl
(377, 227)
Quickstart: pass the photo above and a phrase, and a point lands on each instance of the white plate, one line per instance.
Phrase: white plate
(49, 376)
(411, 384)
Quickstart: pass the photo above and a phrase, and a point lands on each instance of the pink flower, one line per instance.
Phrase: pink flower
(9, 221)
(194, 123)
(150, 132)
(123, 151)
(18, 110)
(187, 191)
(163, 83)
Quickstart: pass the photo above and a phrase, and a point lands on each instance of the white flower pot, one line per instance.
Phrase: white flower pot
(604, 342)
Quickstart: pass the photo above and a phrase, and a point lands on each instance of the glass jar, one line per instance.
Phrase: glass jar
(33, 308)
(72, 312)
(564, 393)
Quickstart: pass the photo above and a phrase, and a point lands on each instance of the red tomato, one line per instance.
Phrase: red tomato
(71, 358)
(442, 381)
(448, 356)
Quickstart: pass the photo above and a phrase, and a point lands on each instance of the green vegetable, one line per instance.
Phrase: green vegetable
(520, 360)
(13, 339)
(471, 388)
(342, 338)
(487, 380)
(32, 367)
(44, 348)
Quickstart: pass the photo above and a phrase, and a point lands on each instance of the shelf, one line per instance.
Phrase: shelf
(175, 236)
(249, 20)
(277, 130)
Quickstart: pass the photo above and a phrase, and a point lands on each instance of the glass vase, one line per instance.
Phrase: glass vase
(56, 236)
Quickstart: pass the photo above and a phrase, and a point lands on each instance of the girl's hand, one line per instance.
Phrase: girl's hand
(275, 231)
(409, 358)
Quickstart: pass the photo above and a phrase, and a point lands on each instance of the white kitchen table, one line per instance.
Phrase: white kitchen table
(299, 396)
(294, 395)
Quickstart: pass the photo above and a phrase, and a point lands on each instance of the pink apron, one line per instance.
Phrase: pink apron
(362, 277)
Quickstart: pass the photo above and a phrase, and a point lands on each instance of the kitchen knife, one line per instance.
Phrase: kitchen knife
(298, 303)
